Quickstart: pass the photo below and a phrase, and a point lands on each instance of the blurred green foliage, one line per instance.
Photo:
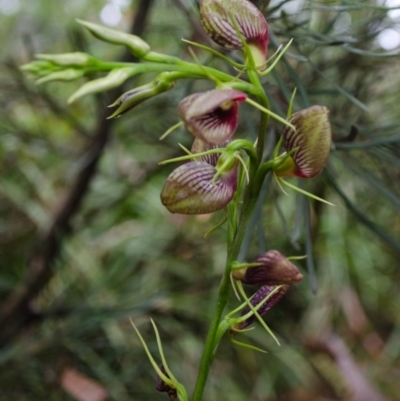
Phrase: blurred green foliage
(123, 255)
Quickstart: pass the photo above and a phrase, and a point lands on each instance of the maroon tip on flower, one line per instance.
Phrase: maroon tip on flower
(275, 269)
(213, 115)
(313, 137)
(216, 18)
(189, 189)
(258, 297)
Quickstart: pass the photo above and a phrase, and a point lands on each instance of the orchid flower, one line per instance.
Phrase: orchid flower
(270, 268)
(192, 187)
(213, 115)
(222, 19)
(312, 139)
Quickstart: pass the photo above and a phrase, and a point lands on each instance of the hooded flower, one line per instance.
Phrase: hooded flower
(216, 18)
(258, 297)
(313, 139)
(213, 115)
(190, 189)
(274, 269)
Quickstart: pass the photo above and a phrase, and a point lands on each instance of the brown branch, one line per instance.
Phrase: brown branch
(15, 309)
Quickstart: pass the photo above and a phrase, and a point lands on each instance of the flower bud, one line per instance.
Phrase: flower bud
(136, 45)
(64, 75)
(258, 297)
(38, 67)
(216, 18)
(115, 78)
(312, 138)
(213, 115)
(274, 269)
(138, 95)
(77, 59)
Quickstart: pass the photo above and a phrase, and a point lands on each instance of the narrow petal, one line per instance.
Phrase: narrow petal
(213, 115)
(313, 139)
(189, 189)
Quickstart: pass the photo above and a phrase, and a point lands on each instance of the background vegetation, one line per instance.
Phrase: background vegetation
(85, 242)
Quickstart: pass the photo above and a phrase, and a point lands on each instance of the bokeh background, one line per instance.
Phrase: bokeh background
(85, 243)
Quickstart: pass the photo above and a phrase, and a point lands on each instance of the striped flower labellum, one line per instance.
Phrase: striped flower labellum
(258, 297)
(274, 269)
(190, 189)
(313, 138)
(216, 17)
(213, 115)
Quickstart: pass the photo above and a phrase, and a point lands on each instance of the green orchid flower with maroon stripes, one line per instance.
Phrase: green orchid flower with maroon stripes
(192, 188)
(224, 19)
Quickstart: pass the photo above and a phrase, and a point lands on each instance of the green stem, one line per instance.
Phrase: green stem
(191, 69)
(249, 201)
(223, 296)
(263, 100)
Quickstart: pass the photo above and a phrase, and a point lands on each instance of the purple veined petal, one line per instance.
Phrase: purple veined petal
(216, 16)
(275, 269)
(313, 138)
(213, 115)
(258, 297)
(200, 146)
(189, 189)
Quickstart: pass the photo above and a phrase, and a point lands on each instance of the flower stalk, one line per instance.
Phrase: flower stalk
(218, 173)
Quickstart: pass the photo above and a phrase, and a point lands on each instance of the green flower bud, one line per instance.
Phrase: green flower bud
(115, 78)
(138, 95)
(77, 59)
(65, 75)
(136, 45)
(38, 67)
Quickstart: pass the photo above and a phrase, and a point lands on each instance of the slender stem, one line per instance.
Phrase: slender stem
(249, 201)
(223, 296)
(263, 100)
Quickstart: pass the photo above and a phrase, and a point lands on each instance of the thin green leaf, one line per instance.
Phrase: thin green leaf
(282, 181)
(248, 346)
